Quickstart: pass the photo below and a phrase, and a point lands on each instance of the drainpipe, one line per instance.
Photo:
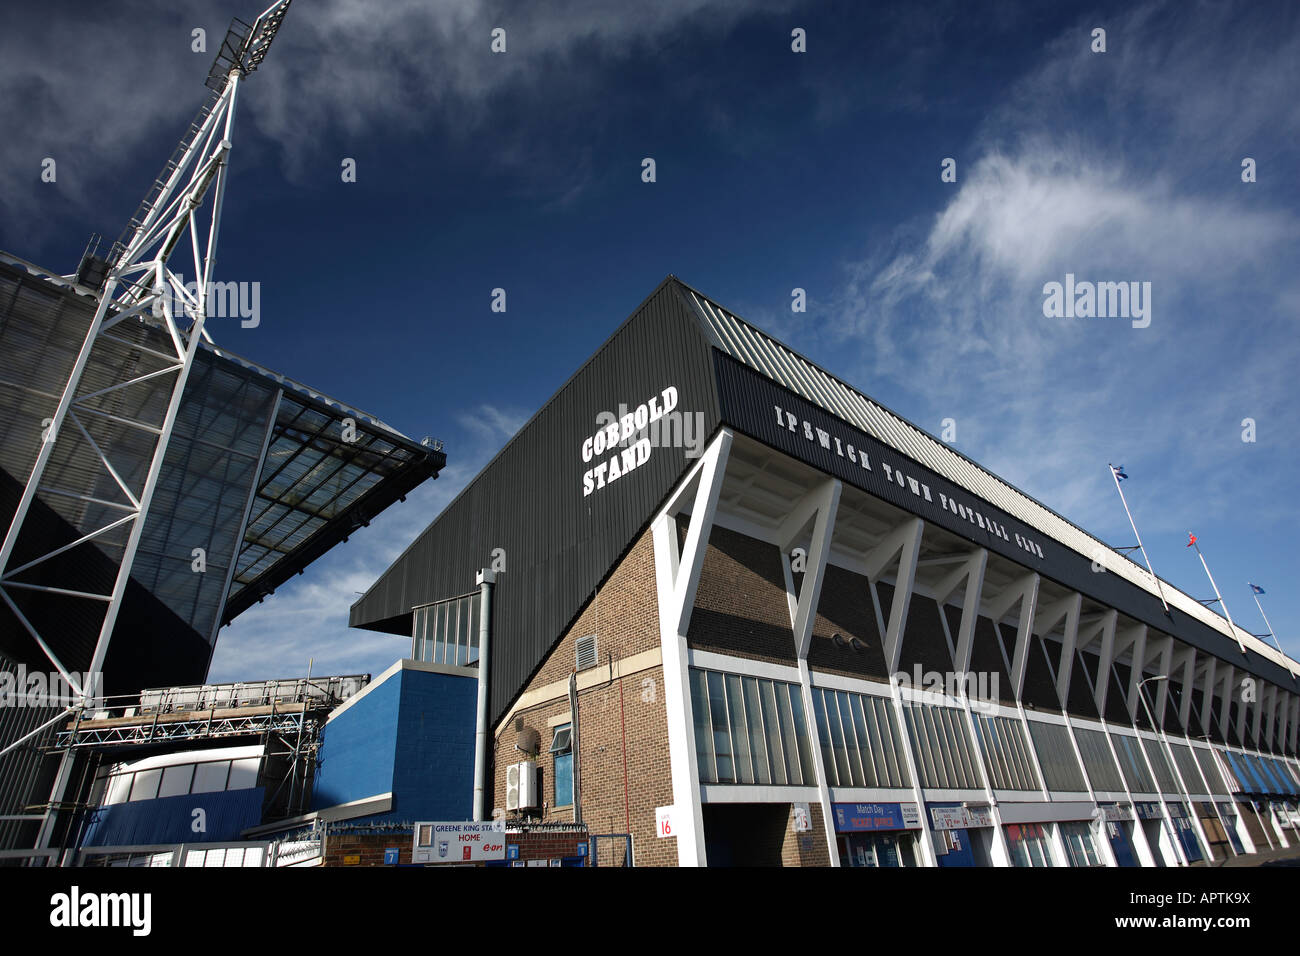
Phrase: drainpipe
(573, 736)
(485, 579)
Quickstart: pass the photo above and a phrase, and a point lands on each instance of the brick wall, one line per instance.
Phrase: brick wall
(545, 846)
(622, 718)
(808, 848)
(367, 849)
(740, 606)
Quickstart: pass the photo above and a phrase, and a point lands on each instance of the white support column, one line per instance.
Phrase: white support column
(1281, 712)
(1262, 693)
(1105, 658)
(1024, 592)
(972, 573)
(1207, 692)
(1243, 708)
(1138, 637)
(1163, 647)
(1143, 849)
(1264, 715)
(1288, 722)
(904, 542)
(677, 575)
(1045, 622)
(1214, 802)
(819, 506)
(1187, 661)
(1225, 705)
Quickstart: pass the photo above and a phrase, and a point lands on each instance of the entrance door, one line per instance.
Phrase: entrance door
(1214, 831)
(1154, 830)
(1230, 822)
(1119, 842)
(1253, 826)
(960, 845)
(1186, 832)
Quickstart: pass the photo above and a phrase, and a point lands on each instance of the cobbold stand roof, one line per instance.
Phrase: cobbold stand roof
(563, 531)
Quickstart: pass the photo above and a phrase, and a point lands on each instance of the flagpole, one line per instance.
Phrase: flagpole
(1271, 632)
(1132, 524)
(1232, 628)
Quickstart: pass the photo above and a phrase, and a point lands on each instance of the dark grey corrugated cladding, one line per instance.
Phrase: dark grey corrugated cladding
(559, 544)
(747, 398)
(529, 502)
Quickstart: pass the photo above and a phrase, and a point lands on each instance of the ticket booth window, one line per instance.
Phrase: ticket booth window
(893, 849)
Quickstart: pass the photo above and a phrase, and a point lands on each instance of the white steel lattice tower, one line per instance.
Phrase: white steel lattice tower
(120, 401)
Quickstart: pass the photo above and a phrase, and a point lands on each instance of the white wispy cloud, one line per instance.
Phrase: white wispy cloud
(1111, 167)
(101, 90)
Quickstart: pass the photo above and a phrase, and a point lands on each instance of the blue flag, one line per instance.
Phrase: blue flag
(1256, 588)
(1119, 472)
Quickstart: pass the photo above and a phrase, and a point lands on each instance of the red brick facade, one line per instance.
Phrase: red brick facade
(622, 722)
(625, 773)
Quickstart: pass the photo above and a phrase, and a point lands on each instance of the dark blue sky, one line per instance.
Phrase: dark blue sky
(775, 170)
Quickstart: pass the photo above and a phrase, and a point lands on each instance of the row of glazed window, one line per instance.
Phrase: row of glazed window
(751, 730)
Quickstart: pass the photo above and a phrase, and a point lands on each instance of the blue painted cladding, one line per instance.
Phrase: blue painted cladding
(434, 776)
(171, 819)
(412, 736)
(358, 748)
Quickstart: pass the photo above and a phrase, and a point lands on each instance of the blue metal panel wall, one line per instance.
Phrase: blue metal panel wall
(413, 736)
(358, 748)
(171, 819)
(434, 774)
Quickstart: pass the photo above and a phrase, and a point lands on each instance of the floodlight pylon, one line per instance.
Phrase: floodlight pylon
(139, 286)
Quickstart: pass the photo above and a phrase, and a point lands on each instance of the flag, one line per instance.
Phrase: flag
(1119, 472)
(1191, 539)
(1257, 589)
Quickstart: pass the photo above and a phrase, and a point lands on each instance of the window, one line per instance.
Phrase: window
(749, 730)
(1027, 843)
(446, 632)
(211, 777)
(1080, 844)
(945, 757)
(1056, 756)
(146, 785)
(1131, 762)
(243, 773)
(1160, 763)
(1006, 755)
(859, 737)
(176, 780)
(562, 751)
(1097, 760)
(879, 849)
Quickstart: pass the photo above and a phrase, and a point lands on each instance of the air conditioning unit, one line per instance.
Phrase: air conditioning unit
(521, 785)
